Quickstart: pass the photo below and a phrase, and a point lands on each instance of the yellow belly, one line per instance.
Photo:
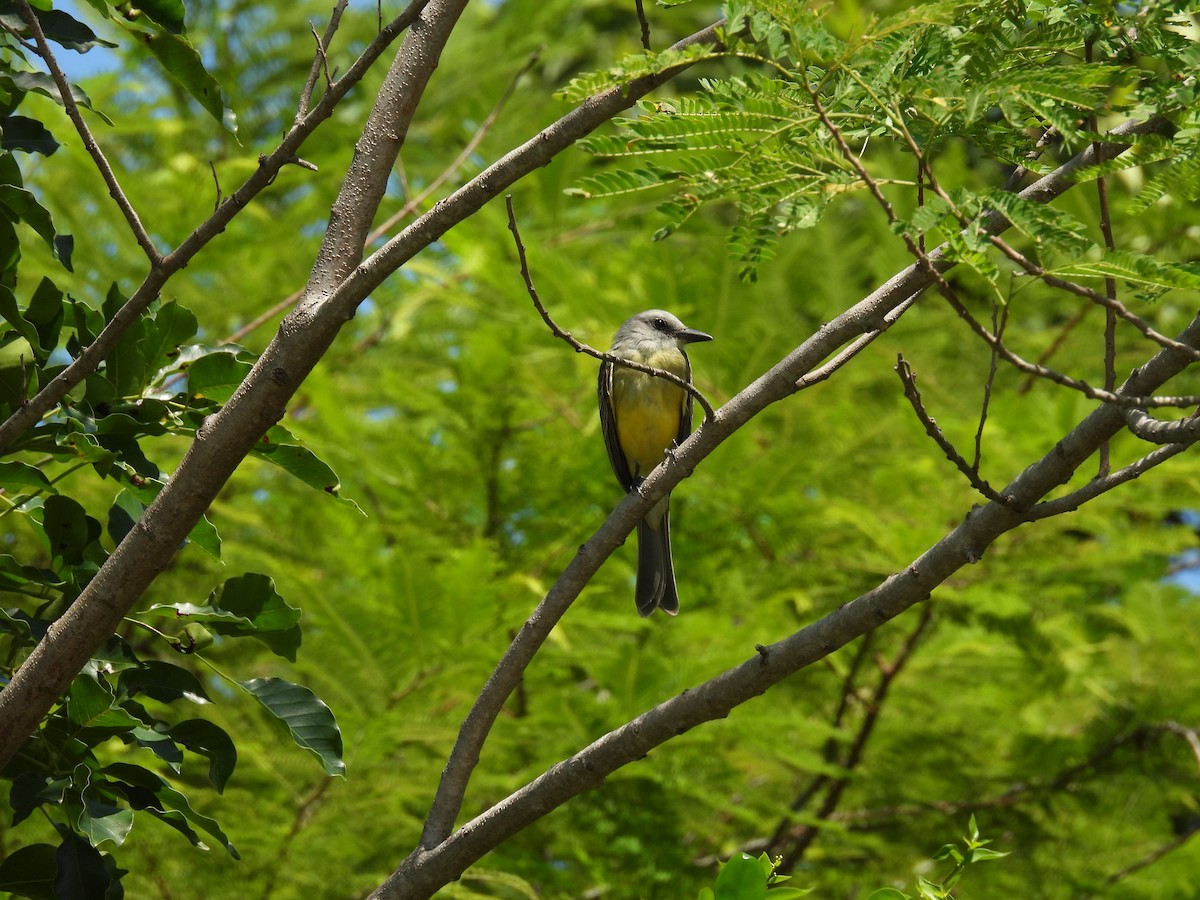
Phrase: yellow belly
(648, 412)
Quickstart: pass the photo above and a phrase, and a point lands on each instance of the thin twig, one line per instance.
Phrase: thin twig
(579, 347)
(1022, 365)
(909, 379)
(1110, 283)
(321, 57)
(999, 320)
(320, 60)
(641, 14)
(89, 142)
(888, 671)
(212, 167)
(1097, 486)
(851, 350)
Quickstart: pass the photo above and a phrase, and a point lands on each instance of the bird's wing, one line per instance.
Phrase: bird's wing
(685, 418)
(608, 425)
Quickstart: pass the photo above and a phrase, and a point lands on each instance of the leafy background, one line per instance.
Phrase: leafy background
(467, 438)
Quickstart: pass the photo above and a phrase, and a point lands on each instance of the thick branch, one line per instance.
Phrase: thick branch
(225, 438)
(426, 870)
(781, 381)
(91, 356)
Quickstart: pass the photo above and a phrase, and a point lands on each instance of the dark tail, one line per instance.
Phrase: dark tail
(655, 571)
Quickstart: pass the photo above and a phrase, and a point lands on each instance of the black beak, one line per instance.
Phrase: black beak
(692, 336)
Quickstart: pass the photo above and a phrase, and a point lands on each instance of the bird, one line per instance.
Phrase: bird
(642, 417)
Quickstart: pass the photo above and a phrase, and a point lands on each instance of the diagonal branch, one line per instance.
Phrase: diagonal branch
(439, 854)
(579, 347)
(85, 135)
(305, 335)
(778, 383)
(909, 379)
(89, 359)
(1102, 484)
(429, 868)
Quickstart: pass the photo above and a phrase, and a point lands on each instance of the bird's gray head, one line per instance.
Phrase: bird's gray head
(655, 327)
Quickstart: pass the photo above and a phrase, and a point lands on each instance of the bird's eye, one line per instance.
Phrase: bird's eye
(660, 324)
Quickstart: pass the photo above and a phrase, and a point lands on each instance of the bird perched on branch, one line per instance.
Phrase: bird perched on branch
(642, 417)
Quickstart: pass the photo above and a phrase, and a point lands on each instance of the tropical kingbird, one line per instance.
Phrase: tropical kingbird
(643, 417)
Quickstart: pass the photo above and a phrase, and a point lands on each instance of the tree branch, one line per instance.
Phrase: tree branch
(441, 856)
(226, 437)
(89, 142)
(909, 379)
(89, 359)
(1160, 431)
(429, 868)
(580, 347)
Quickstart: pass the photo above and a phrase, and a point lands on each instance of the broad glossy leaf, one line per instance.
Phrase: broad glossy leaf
(310, 721)
(82, 874)
(30, 872)
(101, 821)
(216, 376)
(39, 83)
(245, 606)
(68, 528)
(59, 27)
(282, 449)
(27, 135)
(176, 54)
(21, 475)
(163, 681)
(208, 739)
(741, 878)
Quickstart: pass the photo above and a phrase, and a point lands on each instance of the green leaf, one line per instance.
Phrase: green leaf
(281, 449)
(216, 376)
(210, 740)
(310, 721)
(245, 606)
(81, 869)
(163, 681)
(100, 821)
(981, 854)
(30, 871)
(741, 878)
(1136, 269)
(22, 475)
(68, 528)
(58, 26)
(38, 83)
(167, 13)
(175, 807)
(169, 327)
(91, 704)
(888, 894)
(176, 54)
